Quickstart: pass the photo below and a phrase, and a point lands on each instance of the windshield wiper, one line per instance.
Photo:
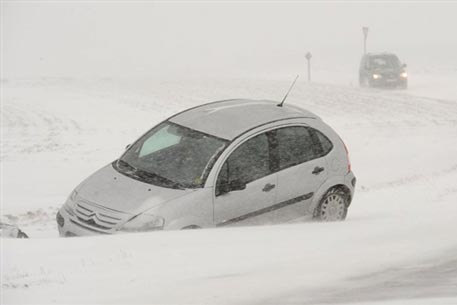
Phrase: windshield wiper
(128, 169)
(144, 174)
(148, 176)
(125, 164)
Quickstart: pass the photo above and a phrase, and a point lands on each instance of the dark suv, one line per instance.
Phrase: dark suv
(382, 70)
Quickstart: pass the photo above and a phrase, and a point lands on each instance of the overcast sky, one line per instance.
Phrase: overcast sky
(154, 39)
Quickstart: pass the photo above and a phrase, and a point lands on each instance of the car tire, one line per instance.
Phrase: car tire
(333, 206)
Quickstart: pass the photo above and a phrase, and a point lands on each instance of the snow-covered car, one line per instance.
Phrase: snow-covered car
(382, 70)
(223, 163)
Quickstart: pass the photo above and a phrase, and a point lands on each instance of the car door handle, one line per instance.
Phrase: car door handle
(268, 187)
(317, 170)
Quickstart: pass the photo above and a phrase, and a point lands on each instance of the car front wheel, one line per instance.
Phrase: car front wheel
(332, 207)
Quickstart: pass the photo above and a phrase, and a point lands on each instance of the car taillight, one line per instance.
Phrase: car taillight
(347, 155)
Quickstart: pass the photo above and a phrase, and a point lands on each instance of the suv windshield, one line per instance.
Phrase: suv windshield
(384, 61)
(171, 155)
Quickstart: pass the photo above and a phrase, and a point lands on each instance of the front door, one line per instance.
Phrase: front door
(246, 185)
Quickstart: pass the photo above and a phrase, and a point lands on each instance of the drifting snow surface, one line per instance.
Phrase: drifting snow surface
(398, 245)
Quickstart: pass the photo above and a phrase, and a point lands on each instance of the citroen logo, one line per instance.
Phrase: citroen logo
(93, 216)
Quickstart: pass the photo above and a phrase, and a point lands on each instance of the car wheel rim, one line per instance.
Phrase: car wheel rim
(333, 208)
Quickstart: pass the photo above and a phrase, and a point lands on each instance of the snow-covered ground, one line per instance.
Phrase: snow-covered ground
(398, 245)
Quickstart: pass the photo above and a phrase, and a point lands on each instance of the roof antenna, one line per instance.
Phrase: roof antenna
(282, 102)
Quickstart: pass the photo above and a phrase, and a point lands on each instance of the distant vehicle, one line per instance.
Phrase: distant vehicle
(382, 70)
(223, 163)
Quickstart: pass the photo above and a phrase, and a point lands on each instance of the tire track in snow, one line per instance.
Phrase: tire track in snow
(411, 179)
(419, 280)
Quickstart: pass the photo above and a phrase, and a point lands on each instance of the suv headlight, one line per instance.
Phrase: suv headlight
(404, 74)
(376, 76)
(144, 222)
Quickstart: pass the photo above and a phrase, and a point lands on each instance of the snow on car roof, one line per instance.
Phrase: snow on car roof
(228, 119)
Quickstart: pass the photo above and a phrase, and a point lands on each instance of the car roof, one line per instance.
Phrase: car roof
(229, 118)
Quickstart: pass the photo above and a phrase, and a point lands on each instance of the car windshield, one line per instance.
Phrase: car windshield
(385, 61)
(172, 156)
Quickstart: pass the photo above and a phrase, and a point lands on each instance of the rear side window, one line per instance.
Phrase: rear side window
(299, 144)
(324, 142)
(295, 146)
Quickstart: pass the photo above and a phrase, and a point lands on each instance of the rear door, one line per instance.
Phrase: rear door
(246, 185)
(302, 169)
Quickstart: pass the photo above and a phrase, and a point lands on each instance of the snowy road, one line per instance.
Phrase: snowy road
(398, 245)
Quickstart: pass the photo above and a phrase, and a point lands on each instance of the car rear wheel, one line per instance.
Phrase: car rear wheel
(332, 207)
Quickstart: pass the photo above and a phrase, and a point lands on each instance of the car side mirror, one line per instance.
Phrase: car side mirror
(237, 185)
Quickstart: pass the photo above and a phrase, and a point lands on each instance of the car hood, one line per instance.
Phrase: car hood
(109, 188)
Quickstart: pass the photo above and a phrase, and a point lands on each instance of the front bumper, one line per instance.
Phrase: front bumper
(389, 82)
(69, 226)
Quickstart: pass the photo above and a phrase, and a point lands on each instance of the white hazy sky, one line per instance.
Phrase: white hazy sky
(157, 39)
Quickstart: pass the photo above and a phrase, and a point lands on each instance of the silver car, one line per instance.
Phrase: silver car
(233, 162)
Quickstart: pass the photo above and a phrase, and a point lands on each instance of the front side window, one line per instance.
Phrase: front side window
(249, 162)
(171, 155)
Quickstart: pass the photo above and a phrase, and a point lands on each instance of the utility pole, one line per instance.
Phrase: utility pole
(365, 35)
(308, 59)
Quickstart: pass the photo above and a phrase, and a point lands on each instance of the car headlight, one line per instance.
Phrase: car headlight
(73, 195)
(144, 222)
(376, 76)
(404, 74)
